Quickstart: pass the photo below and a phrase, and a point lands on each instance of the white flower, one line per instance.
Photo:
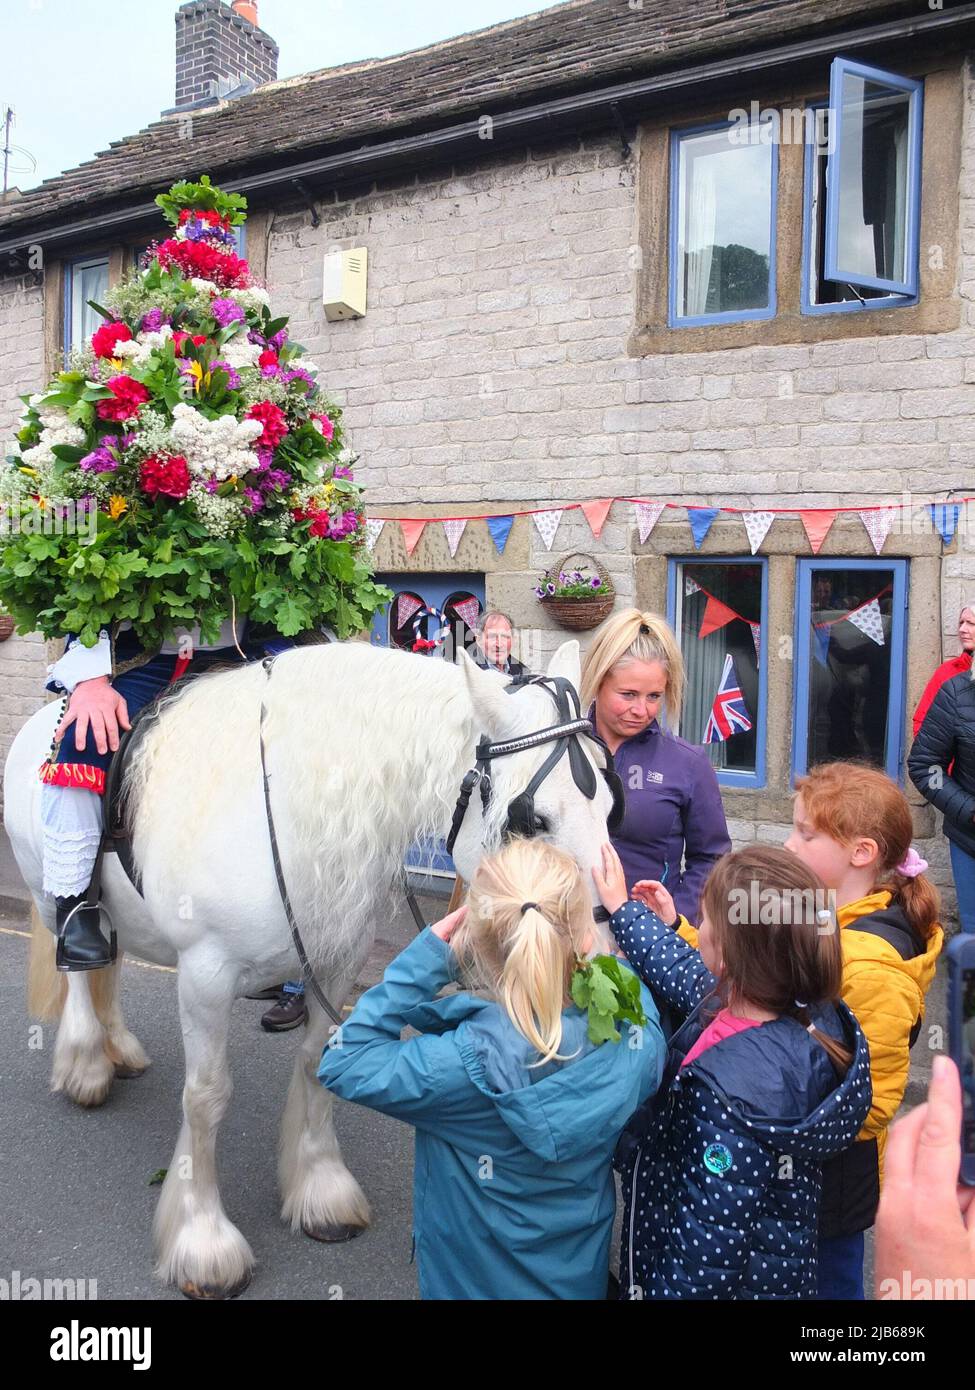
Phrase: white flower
(253, 298)
(214, 448)
(204, 286)
(238, 352)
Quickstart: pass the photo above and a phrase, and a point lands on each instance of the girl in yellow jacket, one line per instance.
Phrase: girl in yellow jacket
(852, 826)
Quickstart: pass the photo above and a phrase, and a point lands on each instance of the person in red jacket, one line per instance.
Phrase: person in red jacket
(947, 669)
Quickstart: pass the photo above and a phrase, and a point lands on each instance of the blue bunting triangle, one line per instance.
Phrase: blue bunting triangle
(945, 517)
(821, 635)
(700, 519)
(500, 528)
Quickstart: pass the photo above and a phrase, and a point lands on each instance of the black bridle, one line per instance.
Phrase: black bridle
(521, 818)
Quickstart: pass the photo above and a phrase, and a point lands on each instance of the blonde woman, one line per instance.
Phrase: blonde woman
(674, 829)
(516, 1110)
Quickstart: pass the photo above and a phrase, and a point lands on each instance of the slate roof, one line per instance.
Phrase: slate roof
(577, 46)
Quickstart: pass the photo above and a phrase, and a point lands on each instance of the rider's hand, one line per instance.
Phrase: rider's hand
(926, 1222)
(611, 881)
(652, 893)
(96, 705)
(446, 927)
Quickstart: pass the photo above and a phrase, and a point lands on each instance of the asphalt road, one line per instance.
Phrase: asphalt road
(77, 1201)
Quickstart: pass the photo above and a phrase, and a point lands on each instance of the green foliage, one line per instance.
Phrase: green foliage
(610, 993)
(204, 197)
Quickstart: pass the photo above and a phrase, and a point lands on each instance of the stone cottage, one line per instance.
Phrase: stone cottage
(621, 251)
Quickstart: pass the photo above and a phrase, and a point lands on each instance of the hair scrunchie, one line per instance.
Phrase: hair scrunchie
(912, 864)
(526, 906)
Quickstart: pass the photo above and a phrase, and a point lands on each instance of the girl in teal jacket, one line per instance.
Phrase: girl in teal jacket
(517, 1111)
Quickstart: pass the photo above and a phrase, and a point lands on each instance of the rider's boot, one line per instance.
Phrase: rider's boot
(81, 945)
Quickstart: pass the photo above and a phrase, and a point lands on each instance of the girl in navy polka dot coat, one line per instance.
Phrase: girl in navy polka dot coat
(768, 1076)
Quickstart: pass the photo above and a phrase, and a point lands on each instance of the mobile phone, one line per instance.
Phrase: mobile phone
(961, 1034)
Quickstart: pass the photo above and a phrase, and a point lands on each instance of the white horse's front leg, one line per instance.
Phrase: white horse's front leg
(198, 1248)
(320, 1195)
(82, 1068)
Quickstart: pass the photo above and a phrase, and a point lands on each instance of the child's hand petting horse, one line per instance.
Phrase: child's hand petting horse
(652, 893)
(446, 927)
(611, 882)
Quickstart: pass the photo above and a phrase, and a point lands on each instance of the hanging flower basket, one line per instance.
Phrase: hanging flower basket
(6, 626)
(577, 599)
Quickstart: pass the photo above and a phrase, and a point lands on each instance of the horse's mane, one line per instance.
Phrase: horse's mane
(366, 747)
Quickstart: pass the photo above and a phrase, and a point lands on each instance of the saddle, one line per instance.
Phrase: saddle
(116, 838)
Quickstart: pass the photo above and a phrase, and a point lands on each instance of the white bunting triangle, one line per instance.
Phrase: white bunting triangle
(878, 521)
(547, 523)
(647, 516)
(374, 526)
(454, 529)
(691, 586)
(757, 525)
(406, 606)
(757, 639)
(869, 620)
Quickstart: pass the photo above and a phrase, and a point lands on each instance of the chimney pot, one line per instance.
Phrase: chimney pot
(247, 9)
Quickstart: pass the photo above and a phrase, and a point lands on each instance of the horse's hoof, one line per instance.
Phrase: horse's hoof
(214, 1292)
(333, 1235)
(124, 1073)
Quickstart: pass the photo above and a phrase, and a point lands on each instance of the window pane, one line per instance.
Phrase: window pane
(87, 282)
(849, 664)
(723, 224)
(725, 600)
(872, 229)
(821, 290)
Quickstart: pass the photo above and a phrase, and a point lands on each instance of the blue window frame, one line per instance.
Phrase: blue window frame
(738, 586)
(722, 224)
(433, 591)
(849, 673)
(84, 279)
(873, 178)
(817, 294)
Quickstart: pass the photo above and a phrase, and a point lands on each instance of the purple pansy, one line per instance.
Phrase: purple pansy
(226, 311)
(153, 321)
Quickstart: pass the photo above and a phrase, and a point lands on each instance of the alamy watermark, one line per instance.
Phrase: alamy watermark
(61, 516)
(20, 1288)
(775, 907)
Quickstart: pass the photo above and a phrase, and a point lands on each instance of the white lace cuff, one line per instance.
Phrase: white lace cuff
(81, 663)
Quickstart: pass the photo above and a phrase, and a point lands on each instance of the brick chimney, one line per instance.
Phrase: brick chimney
(219, 48)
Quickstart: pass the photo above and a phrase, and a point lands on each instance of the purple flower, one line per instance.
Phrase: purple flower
(596, 583)
(275, 479)
(233, 383)
(550, 589)
(101, 460)
(153, 321)
(257, 338)
(299, 374)
(254, 501)
(264, 457)
(211, 485)
(270, 370)
(342, 472)
(226, 311)
(278, 340)
(539, 591)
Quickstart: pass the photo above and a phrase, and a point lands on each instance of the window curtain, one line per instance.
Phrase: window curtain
(701, 230)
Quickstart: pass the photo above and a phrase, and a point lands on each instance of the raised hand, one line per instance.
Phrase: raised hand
(652, 893)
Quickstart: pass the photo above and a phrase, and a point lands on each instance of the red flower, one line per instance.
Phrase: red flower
(272, 418)
(165, 476)
(319, 524)
(127, 394)
(268, 358)
(103, 340)
(199, 258)
(328, 429)
(179, 338)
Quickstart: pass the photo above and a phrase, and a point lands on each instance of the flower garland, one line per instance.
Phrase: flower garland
(193, 433)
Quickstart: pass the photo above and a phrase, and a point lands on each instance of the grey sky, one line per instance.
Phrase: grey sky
(80, 75)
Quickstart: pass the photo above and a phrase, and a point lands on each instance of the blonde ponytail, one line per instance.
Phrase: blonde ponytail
(530, 917)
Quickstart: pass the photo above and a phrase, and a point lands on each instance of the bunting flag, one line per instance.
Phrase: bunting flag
(817, 524)
(412, 528)
(821, 636)
(729, 714)
(878, 521)
(691, 586)
(547, 523)
(468, 608)
(945, 515)
(647, 516)
(500, 528)
(716, 614)
(454, 529)
(374, 527)
(757, 639)
(596, 513)
(757, 525)
(406, 606)
(701, 519)
(869, 620)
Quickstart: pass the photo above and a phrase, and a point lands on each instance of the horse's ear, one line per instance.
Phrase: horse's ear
(567, 662)
(492, 707)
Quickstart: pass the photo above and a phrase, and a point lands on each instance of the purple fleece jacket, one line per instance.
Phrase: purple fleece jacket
(673, 812)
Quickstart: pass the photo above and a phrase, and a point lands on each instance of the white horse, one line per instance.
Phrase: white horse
(366, 751)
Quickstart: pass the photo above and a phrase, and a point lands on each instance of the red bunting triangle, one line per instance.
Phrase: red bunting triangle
(716, 614)
(596, 513)
(817, 526)
(412, 531)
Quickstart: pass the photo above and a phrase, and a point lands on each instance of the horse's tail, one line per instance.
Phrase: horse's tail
(46, 987)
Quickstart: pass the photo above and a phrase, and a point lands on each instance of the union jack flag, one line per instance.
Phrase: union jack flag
(728, 713)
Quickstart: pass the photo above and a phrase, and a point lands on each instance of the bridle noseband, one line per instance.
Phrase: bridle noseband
(521, 818)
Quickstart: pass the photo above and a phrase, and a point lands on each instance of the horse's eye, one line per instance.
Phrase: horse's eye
(542, 825)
